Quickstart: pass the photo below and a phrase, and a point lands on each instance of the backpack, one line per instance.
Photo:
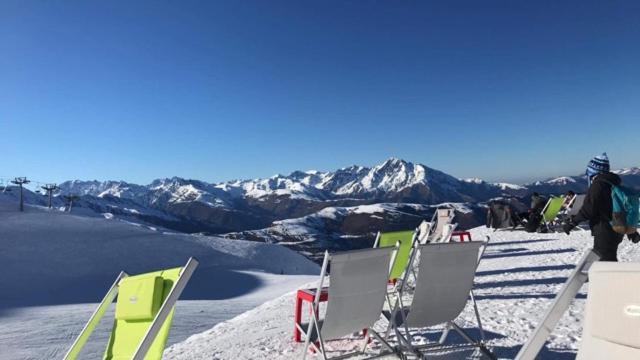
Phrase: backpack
(626, 209)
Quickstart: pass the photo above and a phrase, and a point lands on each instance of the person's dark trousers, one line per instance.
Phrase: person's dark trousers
(606, 241)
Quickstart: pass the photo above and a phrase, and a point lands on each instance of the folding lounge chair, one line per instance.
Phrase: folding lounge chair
(574, 207)
(357, 292)
(143, 316)
(612, 319)
(390, 239)
(576, 204)
(424, 230)
(443, 285)
(447, 232)
(551, 210)
(441, 218)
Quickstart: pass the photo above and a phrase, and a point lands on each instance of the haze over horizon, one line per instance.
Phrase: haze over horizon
(511, 92)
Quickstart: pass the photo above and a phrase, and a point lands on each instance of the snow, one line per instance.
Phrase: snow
(515, 283)
(474, 180)
(505, 186)
(57, 265)
(561, 180)
(238, 306)
(393, 175)
(46, 332)
(627, 171)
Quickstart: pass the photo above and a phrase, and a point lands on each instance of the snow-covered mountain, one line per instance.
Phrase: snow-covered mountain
(239, 205)
(630, 177)
(392, 178)
(253, 204)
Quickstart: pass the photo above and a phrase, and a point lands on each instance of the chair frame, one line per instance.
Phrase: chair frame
(156, 325)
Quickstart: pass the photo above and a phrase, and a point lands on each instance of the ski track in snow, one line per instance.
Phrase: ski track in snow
(517, 279)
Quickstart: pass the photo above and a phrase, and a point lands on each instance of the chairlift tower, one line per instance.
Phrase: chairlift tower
(21, 181)
(50, 188)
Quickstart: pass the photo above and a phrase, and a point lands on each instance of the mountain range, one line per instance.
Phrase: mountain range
(267, 209)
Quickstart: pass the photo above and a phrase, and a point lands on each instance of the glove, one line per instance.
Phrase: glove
(567, 227)
(635, 237)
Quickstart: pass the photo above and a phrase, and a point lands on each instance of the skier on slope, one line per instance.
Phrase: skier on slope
(598, 209)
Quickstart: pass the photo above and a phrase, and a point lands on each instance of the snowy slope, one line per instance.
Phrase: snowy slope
(54, 263)
(516, 281)
(54, 257)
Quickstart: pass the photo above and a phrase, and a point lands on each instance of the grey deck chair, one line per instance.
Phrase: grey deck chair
(576, 204)
(445, 280)
(357, 292)
(612, 320)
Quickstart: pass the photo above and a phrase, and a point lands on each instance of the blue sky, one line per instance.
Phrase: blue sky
(503, 90)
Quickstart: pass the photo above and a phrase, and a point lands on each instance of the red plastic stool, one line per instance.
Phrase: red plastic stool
(461, 235)
(309, 296)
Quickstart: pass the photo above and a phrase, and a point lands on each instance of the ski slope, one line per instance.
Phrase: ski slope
(56, 266)
(515, 283)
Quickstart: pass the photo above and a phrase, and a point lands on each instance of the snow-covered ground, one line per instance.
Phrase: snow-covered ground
(46, 332)
(57, 265)
(515, 283)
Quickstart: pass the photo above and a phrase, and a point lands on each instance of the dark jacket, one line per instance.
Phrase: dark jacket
(597, 207)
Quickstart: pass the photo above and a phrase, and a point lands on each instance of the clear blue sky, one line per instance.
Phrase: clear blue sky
(133, 90)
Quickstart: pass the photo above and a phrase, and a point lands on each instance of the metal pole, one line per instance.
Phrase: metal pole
(21, 181)
(50, 188)
(316, 302)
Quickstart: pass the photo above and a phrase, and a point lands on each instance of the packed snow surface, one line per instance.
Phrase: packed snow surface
(517, 279)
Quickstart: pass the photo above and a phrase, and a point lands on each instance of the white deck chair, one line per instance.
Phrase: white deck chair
(442, 218)
(357, 292)
(447, 232)
(612, 320)
(424, 230)
(443, 285)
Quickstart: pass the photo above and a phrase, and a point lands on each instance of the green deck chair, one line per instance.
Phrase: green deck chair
(551, 210)
(143, 316)
(406, 240)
